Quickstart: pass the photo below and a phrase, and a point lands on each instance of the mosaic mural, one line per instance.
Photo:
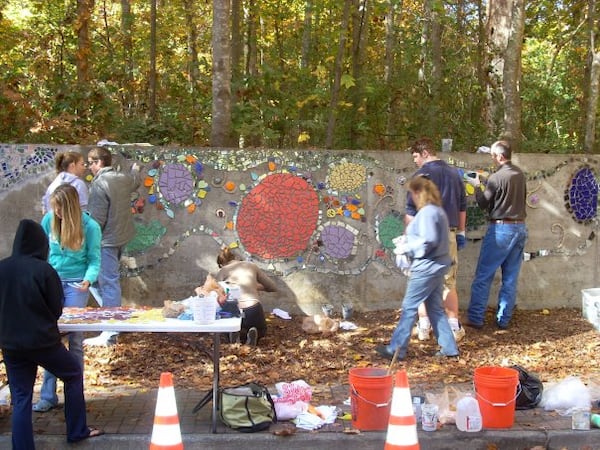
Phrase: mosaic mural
(329, 212)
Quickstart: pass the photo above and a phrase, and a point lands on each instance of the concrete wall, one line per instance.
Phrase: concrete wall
(178, 242)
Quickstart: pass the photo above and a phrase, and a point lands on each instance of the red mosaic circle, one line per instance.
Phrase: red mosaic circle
(278, 216)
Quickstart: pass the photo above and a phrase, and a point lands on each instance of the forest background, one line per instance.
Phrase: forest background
(352, 74)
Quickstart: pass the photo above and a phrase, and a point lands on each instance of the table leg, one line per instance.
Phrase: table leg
(213, 394)
(216, 372)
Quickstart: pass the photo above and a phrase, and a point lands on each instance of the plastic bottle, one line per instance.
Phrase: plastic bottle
(417, 408)
(595, 420)
(468, 415)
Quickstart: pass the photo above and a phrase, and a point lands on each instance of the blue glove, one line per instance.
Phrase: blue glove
(461, 241)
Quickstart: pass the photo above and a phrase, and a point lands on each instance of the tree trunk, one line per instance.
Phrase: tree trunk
(482, 65)
(237, 40)
(360, 31)
(220, 133)
(337, 75)
(436, 72)
(82, 28)
(389, 69)
(306, 34)
(152, 73)
(192, 51)
(254, 137)
(252, 50)
(425, 44)
(237, 54)
(127, 97)
(304, 69)
(512, 76)
(593, 82)
(505, 29)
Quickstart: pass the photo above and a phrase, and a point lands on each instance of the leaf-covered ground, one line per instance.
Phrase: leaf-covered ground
(553, 343)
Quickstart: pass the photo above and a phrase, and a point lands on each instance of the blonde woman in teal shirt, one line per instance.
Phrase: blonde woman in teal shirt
(75, 255)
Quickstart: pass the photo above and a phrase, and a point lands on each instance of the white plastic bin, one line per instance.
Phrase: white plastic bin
(590, 306)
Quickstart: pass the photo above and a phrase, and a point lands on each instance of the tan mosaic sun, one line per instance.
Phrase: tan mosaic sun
(347, 177)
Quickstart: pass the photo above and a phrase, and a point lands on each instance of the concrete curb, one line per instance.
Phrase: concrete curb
(440, 440)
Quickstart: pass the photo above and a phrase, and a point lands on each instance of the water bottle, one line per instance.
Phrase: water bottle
(417, 408)
(468, 415)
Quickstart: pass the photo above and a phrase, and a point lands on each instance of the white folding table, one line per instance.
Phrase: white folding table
(133, 325)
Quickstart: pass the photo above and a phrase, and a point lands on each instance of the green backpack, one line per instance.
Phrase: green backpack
(247, 408)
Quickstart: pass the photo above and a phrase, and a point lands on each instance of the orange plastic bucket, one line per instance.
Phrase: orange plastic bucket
(370, 398)
(497, 390)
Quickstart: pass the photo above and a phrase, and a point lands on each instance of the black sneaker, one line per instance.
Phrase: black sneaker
(383, 351)
(441, 355)
(468, 323)
(252, 337)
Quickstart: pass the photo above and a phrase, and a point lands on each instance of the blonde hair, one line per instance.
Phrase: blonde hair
(424, 192)
(225, 256)
(67, 229)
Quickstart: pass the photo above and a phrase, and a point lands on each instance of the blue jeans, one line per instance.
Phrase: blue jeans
(73, 297)
(21, 368)
(109, 283)
(502, 247)
(429, 289)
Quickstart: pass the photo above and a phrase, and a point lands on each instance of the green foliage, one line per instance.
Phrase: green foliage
(282, 104)
(551, 112)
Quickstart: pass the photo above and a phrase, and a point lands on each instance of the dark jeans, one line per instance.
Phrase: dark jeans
(21, 368)
(502, 247)
(254, 316)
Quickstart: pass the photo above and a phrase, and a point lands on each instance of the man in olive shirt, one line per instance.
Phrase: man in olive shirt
(504, 199)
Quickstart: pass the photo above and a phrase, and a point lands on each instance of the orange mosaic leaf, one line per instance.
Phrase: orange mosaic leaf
(229, 186)
(379, 189)
(148, 182)
(351, 207)
(191, 159)
(356, 216)
(272, 166)
(229, 225)
(191, 208)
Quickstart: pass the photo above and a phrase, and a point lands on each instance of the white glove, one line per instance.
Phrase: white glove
(399, 245)
(473, 181)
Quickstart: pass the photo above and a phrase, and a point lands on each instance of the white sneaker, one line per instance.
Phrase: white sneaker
(104, 339)
(252, 337)
(423, 334)
(459, 334)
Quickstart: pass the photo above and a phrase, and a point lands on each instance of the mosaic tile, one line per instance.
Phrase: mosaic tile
(338, 241)
(278, 216)
(176, 183)
(582, 195)
(272, 220)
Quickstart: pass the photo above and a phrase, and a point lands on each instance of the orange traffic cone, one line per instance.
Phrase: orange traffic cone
(166, 434)
(402, 425)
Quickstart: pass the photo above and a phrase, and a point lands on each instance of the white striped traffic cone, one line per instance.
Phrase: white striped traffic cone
(166, 434)
(402, 425)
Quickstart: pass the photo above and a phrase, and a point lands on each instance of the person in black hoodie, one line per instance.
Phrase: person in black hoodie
(31, 301)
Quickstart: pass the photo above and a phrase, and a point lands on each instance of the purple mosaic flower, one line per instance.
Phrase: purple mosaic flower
(176, 183)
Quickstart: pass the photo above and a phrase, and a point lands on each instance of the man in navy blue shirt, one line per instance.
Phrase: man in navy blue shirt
(454, 201)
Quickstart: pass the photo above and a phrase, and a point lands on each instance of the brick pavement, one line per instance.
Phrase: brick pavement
(129, 411)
